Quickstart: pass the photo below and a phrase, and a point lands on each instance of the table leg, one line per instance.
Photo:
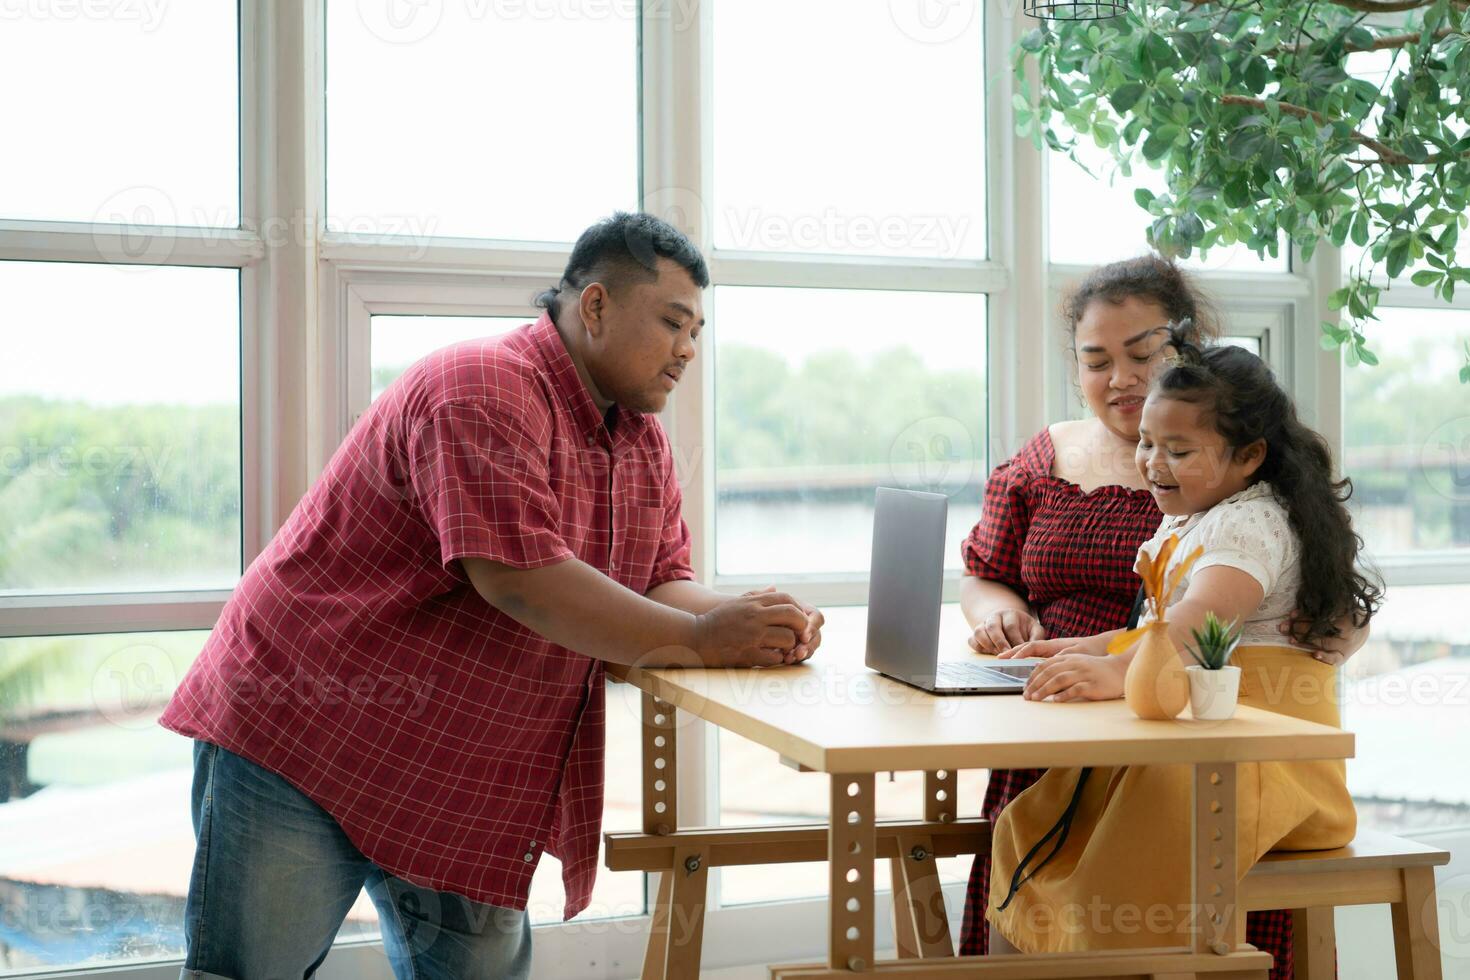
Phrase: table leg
(660, 785)
(676, 925)
(918, 903)
(851, 845)
(1214, 885)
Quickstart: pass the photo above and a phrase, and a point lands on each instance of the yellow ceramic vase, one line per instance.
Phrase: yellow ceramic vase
(1156, 686)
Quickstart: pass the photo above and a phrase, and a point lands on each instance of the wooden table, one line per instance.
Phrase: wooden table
(833, 715)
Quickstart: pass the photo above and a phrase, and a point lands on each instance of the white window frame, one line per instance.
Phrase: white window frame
(263, 429)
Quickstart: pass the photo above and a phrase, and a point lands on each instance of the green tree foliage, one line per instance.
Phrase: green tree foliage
(834, 408)
(1259, 126)
(102, 496)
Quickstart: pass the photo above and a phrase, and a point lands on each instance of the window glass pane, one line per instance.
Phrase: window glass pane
(1092, 221)
(820, 147)
(397, 342)
(96, 844)
(1406, 433)
(756, 789)
(821, 396)
(1405, 697)
(119, 428)
(442, 118)
(130, 113)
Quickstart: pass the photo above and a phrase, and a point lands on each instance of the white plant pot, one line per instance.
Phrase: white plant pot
(1213, 693)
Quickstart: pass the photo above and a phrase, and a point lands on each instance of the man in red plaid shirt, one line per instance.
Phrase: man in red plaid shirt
(405, 691)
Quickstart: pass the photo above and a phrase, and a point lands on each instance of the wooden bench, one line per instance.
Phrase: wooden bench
(1374, 869)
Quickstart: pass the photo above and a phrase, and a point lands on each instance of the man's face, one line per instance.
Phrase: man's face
(644, 338)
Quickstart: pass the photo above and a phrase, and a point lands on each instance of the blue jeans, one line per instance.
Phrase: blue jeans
(274, 877)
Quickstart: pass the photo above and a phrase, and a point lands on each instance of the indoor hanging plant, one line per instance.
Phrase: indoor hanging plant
(1156, 686)
(1337, 121)
(1214, 683)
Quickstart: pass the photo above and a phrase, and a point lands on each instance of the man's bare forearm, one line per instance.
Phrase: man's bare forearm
(575, 606)
(686, 595)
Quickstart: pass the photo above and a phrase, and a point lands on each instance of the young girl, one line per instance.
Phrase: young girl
(1236, 473)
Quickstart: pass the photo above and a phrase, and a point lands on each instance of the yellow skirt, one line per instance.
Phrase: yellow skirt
(1122, 879)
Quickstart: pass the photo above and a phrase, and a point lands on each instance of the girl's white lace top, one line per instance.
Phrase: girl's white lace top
(1250, 531)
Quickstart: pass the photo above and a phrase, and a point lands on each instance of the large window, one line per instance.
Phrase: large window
(119, 428)
(487, 120)
(824, 395)
(105, 132)
(818, 145)
(125, 492)
(1406, 435)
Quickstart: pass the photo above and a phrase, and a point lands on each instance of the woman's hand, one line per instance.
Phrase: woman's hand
(1092, 646)
(1004, 629)
(1077, 677)
(1334, 650)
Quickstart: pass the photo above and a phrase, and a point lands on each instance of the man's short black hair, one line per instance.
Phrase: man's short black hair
(623, 249)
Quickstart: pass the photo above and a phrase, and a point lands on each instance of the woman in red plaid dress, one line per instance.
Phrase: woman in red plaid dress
(1053, 553)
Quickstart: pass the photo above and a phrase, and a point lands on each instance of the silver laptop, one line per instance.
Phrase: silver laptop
(905, 588)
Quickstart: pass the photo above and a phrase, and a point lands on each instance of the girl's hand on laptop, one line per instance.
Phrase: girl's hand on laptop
(1093, 646)
(1077, 677)
(1004, 629)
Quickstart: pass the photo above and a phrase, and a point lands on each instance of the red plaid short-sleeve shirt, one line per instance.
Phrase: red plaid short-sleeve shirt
(452, 744)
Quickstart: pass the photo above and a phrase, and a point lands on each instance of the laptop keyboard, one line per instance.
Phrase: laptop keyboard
(951, 674)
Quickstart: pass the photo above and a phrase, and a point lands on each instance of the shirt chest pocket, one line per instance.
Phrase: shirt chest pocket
(636, 546)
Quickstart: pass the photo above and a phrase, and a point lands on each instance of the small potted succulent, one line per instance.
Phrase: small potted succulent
(1214, 684)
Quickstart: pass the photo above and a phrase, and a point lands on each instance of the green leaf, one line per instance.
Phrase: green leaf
(1426, 277)
(1367, 356)
(1397, 257)
(1125, 97)
(1257, 74)
(1143, 196)
(1246, 143)
(1159, 141)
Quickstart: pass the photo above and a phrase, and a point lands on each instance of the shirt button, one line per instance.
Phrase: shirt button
(529, 856)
